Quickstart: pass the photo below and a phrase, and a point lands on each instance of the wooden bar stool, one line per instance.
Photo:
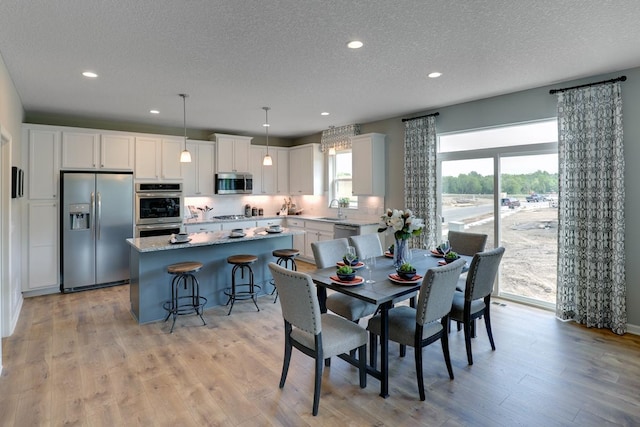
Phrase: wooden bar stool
(286, 259)
(242, 263)
(192, 302)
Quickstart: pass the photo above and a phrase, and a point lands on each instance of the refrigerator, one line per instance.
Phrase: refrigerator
(95, 219)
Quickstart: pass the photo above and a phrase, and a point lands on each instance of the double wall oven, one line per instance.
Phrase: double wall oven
(159, 208)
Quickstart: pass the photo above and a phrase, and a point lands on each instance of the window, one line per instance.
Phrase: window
(340, 184)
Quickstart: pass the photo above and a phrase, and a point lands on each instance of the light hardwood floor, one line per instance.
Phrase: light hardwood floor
(80, 359)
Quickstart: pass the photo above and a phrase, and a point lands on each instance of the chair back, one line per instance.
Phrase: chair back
(467, 243)
(367, 245)
(482, 273)
(436, 292)
(298, 298)
(327, 252)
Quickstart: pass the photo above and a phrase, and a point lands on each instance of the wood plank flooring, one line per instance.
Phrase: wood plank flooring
(80, 359)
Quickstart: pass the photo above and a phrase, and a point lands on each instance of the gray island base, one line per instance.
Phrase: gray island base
(150, 284)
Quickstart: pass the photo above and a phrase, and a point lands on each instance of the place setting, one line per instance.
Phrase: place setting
(346, 272)
(406, 274)
(179, 238)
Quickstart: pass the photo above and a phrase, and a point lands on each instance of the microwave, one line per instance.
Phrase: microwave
(234, 183)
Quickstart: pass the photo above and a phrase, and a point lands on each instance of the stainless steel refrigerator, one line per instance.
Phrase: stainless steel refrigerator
(95, 219)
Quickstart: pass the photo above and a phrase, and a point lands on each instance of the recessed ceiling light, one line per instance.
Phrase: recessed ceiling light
(355, 44)
(324, 113)
(154, 111)
(434, 75)
(90, 74)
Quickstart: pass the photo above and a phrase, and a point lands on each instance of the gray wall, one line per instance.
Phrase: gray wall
(526, 106)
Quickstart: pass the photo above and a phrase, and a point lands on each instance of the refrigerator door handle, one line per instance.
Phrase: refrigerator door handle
(92, 209)
(99, 216)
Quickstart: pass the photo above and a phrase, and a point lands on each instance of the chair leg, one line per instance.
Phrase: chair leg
(316, 388)
(403, 350)
(373, 350)
(417, 350)
(287, 353)
(467, 340)
(444, 340)
(487, 323)
(362, 364)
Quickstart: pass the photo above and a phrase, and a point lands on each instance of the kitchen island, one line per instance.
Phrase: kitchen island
(150, 256)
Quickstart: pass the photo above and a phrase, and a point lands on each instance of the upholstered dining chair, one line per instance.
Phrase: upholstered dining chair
(475, 301)
(467, 243)
(366, 245)
(326, 253)
(317, 335)
(427, 323)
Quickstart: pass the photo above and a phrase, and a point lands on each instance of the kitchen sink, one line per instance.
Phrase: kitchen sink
(331, 218)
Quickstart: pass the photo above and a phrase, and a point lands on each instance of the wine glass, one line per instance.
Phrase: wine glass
(445, 247)
(370, 265)
(425, 244)
(350, 256)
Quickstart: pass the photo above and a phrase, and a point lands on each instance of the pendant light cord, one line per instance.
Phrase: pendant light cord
(184, 117)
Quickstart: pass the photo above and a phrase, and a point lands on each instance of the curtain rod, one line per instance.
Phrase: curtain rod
(617, 79)
(420, 117)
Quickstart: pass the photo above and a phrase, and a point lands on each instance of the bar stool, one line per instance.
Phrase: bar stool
(286, 259)
(242, 263)
(192, 301)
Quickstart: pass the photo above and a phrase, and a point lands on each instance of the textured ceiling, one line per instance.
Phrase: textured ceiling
(235, 56)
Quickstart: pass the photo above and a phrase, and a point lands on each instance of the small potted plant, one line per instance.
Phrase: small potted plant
(406, 271)
(346, 273)
(451, 256)
(344, 202)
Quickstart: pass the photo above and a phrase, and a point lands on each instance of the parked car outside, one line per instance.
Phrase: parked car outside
(535, 198)
(510, 202)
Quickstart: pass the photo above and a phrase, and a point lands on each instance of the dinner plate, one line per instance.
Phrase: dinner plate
(177, 242)
(355, 282)
(445, 262)
(388, 254)
(435, 253)
(358, 266)
(274, 231)
(399, 280)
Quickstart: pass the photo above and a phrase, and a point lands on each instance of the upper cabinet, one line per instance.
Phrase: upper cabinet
(92, 151)
(198, 176)
(305, 170)
(369, 172)
(281, 158)
(158, 158)
(44, 163)
(232, 153)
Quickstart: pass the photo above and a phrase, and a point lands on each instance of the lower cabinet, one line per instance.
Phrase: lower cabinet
(314, 231)
(42, 248)
(238, 224)
(202, 228)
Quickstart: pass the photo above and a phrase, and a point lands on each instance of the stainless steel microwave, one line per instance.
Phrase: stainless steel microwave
(234, 183)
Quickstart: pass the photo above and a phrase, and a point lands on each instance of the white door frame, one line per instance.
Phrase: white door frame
(5, 237)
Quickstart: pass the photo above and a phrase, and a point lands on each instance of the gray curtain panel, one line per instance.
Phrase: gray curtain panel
(591, 253)
(420, 176)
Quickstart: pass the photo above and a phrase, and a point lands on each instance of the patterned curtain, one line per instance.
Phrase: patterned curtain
(420, 176)
(338, 138)
(591, 253)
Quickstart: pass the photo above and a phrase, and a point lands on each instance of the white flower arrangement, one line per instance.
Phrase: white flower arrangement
(403, 223)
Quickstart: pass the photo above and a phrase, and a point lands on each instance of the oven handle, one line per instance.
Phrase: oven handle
(156, 195)
(159, 226)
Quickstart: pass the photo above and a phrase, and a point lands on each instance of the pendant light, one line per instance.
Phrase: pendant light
(185, 156)
(267, 161)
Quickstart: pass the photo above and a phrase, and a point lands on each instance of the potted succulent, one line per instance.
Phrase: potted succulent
(346, 273)
(451, 256)
(406, 271)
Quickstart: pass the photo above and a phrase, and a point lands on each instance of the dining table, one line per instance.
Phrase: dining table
(385, 290)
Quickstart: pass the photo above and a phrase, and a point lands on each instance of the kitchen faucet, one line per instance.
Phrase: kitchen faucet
(339, 207)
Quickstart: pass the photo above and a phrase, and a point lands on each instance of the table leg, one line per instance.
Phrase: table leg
(384, 350)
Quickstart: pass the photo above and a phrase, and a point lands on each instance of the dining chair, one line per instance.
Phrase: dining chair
(475, 301)
(326, 253)
(366, 245)
(318, 335)
(427, 323)
(467, 243)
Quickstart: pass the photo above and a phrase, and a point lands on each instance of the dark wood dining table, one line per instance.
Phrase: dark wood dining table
(383, 292)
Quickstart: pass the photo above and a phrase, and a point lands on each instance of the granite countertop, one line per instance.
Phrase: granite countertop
(345, 221)
(163, 243)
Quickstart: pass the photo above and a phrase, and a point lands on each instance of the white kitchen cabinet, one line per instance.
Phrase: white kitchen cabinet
(42, 247)
(264, 177)
(203, 228)
(298, 239)
(269, 222)
(44, 163)
(281, 159)
(305, 170)
(368, 164)
(232, 153)
(198, 176)
(238, 224)
(316, 231)
(92, 151)
(158, 158)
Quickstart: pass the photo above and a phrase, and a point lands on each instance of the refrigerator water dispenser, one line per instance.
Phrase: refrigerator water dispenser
(79, 216)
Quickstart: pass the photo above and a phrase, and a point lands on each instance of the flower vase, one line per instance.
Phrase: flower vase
(400, 254)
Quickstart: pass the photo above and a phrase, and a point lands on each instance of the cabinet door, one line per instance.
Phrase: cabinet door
(305, 170)
(117, 152)
(282, 172)
(190, 172)
(241, 155)
(42, 245)
(44, 159)
(170, 155)
(256, 155)
(238, 224)
(205, 161)
(224, 154)
(299, 243)
(80, 150)
(368, 174)
(147, 158)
